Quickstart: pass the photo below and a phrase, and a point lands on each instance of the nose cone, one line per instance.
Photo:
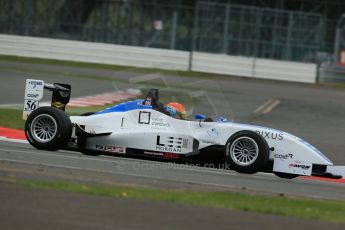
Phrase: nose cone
(309, 153)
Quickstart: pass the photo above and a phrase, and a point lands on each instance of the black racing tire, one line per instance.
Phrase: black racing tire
(48, 128)
(285, 175)
(247, 152)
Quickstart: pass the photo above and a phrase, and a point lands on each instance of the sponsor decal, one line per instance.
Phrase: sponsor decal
(144, 117)
(271, 135)
(168, 148)
(213, 133)
(165, 155)
(304, 167)
(171, 155)
(35, 83)
(31, 95)
(30, 105)
(111, 148)
(159, 122)
(283, 156)
(58, 105)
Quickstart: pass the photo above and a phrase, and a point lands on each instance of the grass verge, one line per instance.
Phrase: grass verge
(11, 118)
(278, 205)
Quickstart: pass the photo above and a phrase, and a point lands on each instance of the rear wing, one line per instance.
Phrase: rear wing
(34, 90)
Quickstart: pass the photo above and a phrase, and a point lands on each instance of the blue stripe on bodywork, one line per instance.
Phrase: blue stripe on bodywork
(126, 106)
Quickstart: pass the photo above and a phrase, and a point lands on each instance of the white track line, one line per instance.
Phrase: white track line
(271, 107)
(267, 107)
(263, 106)
(13, 140)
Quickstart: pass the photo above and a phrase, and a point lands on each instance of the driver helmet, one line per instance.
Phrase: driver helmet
(176, 110)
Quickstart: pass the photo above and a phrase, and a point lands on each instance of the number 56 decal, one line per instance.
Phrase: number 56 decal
(30, 105)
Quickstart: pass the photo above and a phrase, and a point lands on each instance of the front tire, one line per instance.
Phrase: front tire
(48, 128)
(247, 152)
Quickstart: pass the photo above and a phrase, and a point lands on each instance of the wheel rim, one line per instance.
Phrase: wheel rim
(43, 128)
(244, 151)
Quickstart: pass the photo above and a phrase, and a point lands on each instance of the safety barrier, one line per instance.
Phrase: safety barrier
(285, 70)
(68, 50)
(254, 67)
(222, 64)
(93, 52)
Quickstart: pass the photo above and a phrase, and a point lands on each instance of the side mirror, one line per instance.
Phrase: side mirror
(200, 117)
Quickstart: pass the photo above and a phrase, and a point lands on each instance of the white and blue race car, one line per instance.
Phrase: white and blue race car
(141, 128)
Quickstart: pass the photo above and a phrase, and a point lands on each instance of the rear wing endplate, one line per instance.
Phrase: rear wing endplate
(34, 90)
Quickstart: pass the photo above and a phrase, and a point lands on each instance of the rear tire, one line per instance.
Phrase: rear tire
(247, 152)
(48, 128)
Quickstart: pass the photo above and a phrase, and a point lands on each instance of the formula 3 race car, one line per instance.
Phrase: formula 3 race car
(141, 128)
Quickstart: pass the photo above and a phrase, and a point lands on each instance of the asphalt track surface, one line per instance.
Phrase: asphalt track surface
(314, 113)
(178, 175)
